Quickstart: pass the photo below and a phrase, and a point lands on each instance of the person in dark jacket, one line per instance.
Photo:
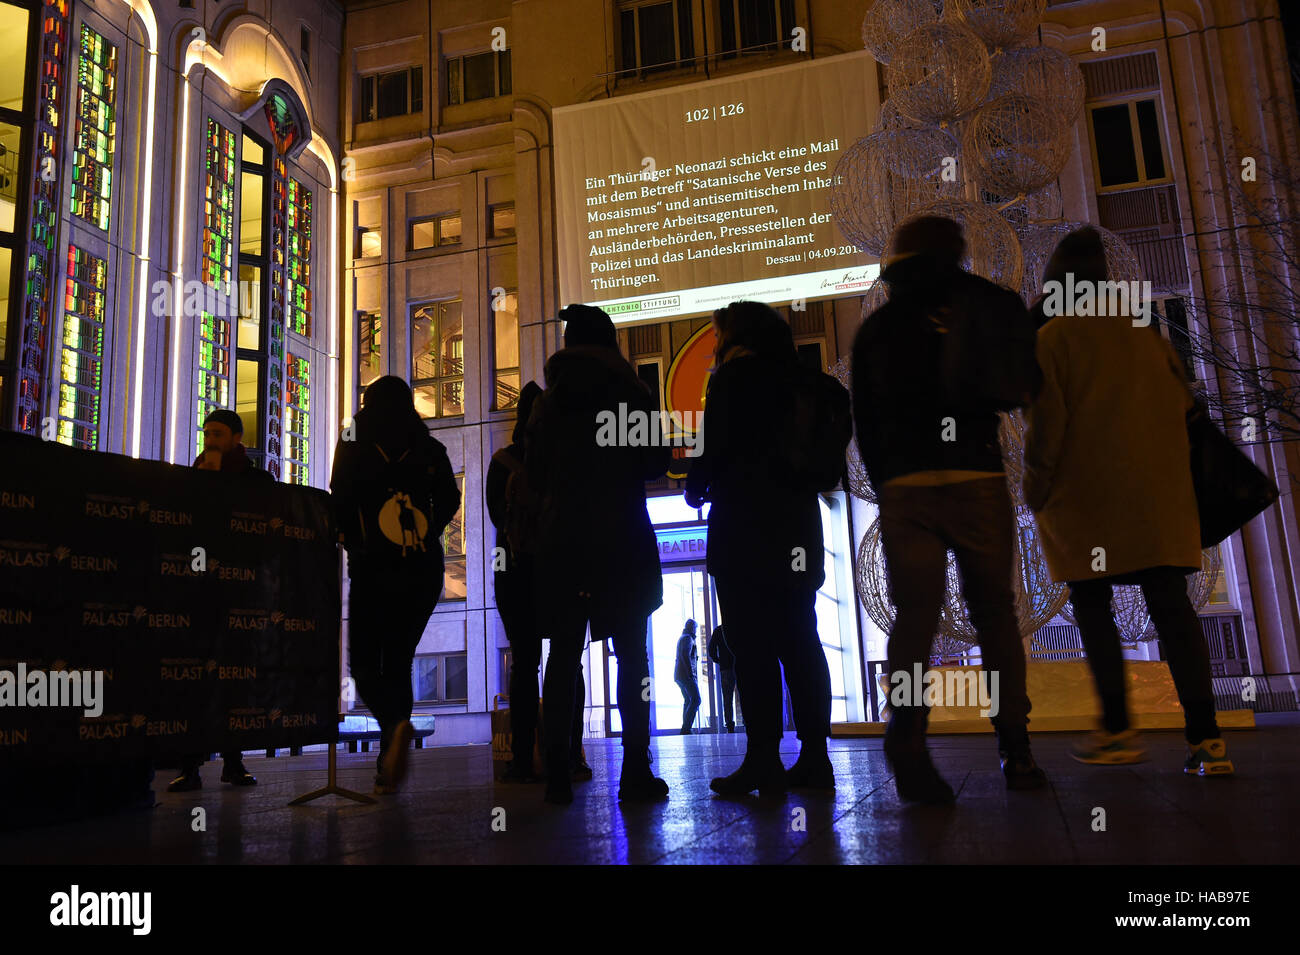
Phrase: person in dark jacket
(388, 461)
(1107, 475)
(223, 451)
(597, 559)
(936, 465)
(513, 585)
(721, 654)
(764, 551)
(684, 675)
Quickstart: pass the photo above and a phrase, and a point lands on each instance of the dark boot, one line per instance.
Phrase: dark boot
(812, 770)
(559, 786)
(761, 769)
(637, 783)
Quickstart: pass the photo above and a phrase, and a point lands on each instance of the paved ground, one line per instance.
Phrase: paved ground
(1153, 813)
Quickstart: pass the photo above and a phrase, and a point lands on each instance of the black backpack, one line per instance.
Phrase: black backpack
(396, 527)
(818, 426)
(988, 358)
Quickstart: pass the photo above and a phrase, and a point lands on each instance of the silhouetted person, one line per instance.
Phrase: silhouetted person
(936, 465)
(223, 451)
(685, 672)
(513, 510)
(759, 524)
(721, 654)
(1107, 474)
(597, 559)
(394, 494)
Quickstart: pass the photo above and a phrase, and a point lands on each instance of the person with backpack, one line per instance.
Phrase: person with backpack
(931, 370)
(597, 559)
(394, 493)
(512, 508)
(762, 472)
(1108, 476)
(685, 668)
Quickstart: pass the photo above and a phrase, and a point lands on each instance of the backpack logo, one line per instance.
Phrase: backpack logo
(403, 524)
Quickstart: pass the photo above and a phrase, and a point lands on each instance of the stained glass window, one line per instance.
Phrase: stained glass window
(214, 368)
(219, 206)
(297, 423)
(41, 264)
(218, 242)
(298, 259)
(95, 130)
(83, 350)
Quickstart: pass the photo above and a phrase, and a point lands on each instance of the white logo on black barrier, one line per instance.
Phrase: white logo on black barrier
(103, 909)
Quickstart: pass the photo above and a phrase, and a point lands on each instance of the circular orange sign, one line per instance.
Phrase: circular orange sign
(688, 379)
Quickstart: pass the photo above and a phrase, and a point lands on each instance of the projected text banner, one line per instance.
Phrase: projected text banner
(681, 200)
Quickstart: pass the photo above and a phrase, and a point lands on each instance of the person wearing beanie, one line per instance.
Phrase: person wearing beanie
(933, 456)
(223, 451)
(597, 560)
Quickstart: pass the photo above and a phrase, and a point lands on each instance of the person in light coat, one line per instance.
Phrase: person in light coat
(1108, 476)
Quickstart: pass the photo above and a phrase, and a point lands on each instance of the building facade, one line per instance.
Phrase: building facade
(265, 206)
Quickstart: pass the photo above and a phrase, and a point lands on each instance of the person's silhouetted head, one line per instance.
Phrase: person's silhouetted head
(1081, 253)
(223, 429)
(389, 414)
(588, 325)
(938, 237)
(756, 328)
(527, 396)
(690, 627)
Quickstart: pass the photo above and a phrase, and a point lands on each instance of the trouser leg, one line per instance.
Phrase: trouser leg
(1189, 661)
(1096, 622)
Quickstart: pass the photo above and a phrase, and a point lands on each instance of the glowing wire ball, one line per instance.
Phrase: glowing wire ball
(992, 249)
(888, 22)
(938, 72)
(1133, 620)
(999, 23)
(870, 195)
(1016, 145)
(1044, 74)
(1039, 240)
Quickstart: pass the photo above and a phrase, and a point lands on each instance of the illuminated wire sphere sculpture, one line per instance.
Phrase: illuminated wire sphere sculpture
(999, 23)
(938, 72)
(1015, 145)
(1043, 74)
(1039, 240)
(992, 249)
(859, 483)
(872, 585)
(889, 21)
(870, 195)
(1132, 618)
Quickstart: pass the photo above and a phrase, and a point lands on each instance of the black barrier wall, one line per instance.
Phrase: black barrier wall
(208, 601)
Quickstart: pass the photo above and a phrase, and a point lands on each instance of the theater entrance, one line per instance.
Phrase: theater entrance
(688, 595)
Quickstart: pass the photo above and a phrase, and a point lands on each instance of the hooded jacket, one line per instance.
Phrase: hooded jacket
(594, 533)
(899, 409)
(758, 516)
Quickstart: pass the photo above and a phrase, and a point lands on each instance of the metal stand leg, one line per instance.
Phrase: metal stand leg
(331, 787)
